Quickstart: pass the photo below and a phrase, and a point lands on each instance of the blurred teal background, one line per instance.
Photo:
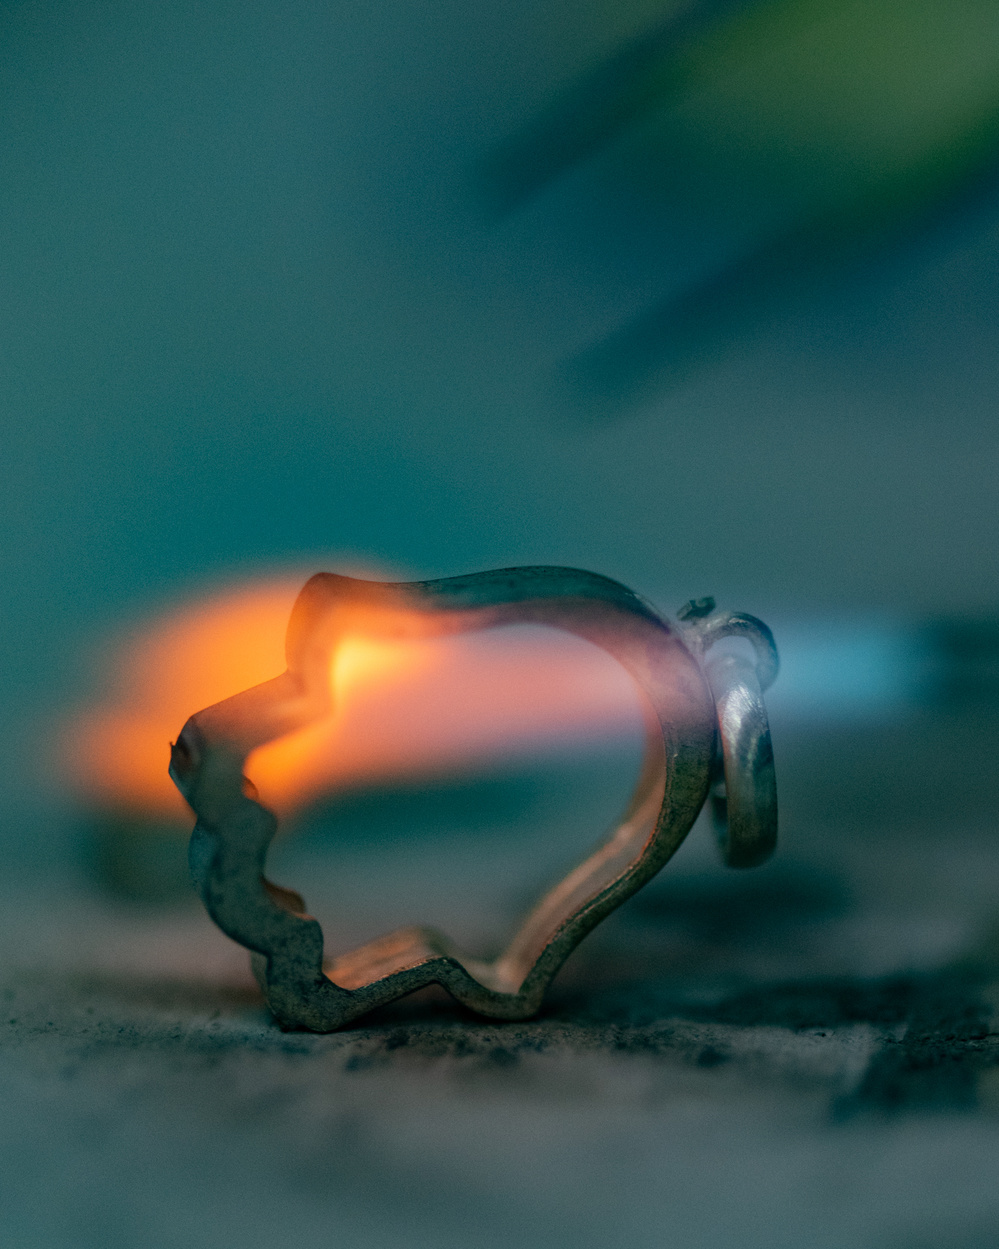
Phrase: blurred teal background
(702, 296)
(260, 312)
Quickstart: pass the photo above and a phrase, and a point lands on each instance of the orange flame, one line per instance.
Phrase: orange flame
(401, 708)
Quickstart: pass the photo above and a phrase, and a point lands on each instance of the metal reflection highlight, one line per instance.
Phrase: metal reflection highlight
(688, 743)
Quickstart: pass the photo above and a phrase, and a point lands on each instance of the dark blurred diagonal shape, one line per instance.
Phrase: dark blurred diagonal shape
(774, 143)
(602, 103)
(663, 346)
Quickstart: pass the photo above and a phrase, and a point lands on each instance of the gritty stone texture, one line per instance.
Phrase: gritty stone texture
(805, 1055)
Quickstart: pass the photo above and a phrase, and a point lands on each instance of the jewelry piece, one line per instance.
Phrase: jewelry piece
(706, 727)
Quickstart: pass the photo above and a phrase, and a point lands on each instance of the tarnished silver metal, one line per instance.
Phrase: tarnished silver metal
(702, 715)
(744, 788)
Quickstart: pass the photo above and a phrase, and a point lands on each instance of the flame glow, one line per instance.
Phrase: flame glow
(401, 708)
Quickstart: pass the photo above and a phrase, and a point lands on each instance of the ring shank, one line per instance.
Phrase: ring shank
(231, 839)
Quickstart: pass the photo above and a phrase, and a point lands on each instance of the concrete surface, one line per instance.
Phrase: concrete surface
(805, 1055)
